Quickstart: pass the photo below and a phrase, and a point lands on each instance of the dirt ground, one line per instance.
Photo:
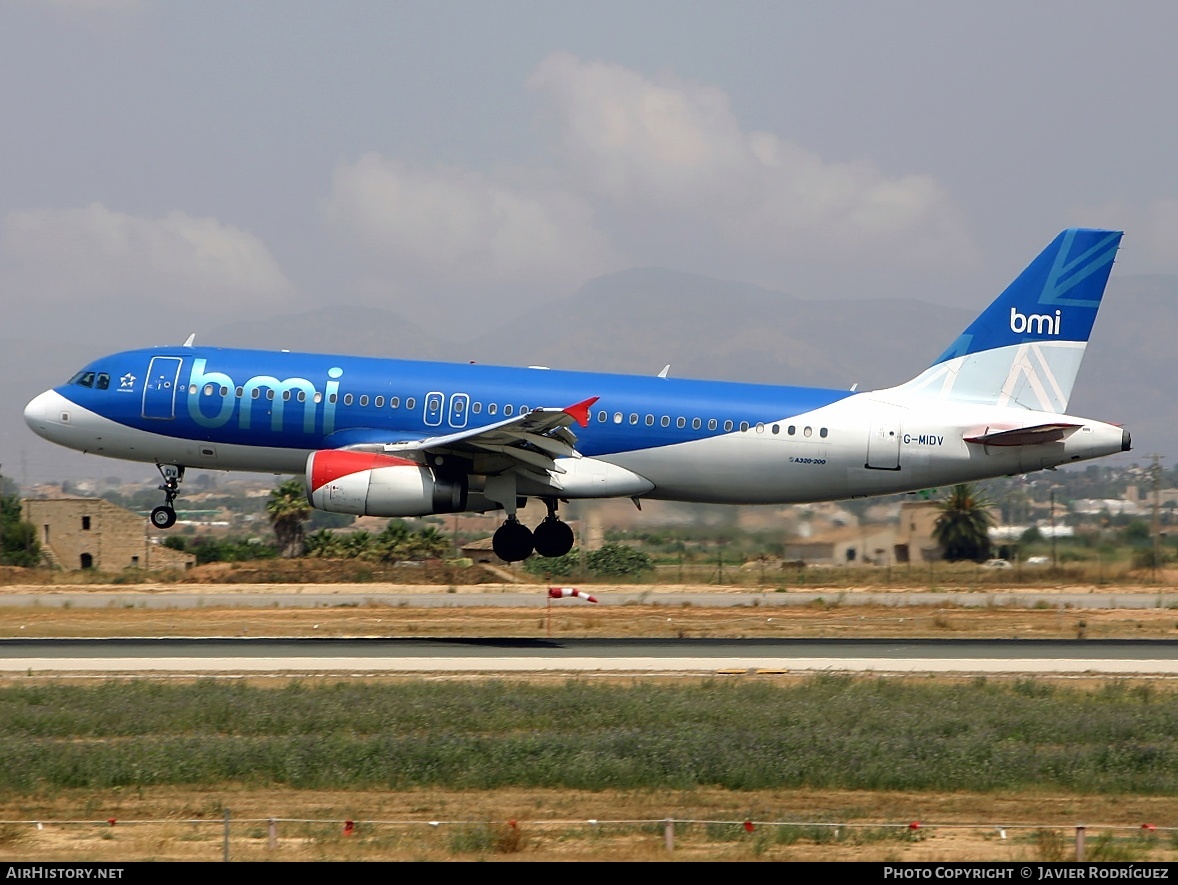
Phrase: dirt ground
(563, 825)
(220, 614)
(560, 825)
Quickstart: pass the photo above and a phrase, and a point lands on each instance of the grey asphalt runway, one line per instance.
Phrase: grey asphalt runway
(487, 656)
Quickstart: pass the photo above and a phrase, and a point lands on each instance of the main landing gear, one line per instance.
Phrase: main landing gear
(164, 517)
(513, 541)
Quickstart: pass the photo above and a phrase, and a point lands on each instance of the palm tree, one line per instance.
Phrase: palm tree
(963, 527)
(288, 509)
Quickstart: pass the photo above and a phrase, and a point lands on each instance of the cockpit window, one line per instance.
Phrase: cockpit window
(103, 381)
(85, 379)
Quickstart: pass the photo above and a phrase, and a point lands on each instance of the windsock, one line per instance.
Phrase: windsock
(564, 592)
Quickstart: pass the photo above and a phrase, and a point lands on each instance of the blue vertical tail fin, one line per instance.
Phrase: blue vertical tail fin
(1025, 348)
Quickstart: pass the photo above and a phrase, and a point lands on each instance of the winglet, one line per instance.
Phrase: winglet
(191, 338)
(579, 412)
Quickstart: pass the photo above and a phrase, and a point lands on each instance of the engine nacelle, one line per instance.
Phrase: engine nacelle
(369, 484)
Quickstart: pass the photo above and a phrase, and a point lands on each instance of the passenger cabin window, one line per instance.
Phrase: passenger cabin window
(347, 399)
(364, 399)
(378, 402)
(410, 403)
(394, 402)
(508, 409)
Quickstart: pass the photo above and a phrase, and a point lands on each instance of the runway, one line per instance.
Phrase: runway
(641, 656)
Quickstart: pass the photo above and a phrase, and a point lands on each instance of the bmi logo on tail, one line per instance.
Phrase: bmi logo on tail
(1035, 324)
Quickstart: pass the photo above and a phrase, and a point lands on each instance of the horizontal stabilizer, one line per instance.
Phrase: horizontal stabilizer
(1024, 436)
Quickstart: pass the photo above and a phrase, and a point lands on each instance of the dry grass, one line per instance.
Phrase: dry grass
(575, 619)
(554, 825)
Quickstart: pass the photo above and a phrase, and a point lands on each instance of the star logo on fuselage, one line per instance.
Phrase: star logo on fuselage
(127, 382)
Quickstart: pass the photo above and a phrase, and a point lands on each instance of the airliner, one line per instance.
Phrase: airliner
(395, 438)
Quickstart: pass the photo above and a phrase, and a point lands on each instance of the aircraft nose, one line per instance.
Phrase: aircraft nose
(42, 411)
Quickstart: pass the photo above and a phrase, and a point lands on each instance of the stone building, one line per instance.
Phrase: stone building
(83, 533)
(915, 541)
(849, 545)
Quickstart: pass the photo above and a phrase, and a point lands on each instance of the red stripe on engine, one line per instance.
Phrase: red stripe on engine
(332, 464)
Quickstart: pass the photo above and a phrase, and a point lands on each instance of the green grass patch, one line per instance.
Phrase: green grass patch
(824, 732)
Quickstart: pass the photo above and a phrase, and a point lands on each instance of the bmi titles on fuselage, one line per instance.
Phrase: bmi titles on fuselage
(204, 385)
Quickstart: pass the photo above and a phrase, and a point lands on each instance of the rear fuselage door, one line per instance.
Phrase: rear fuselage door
(883, 446)
(159, 389)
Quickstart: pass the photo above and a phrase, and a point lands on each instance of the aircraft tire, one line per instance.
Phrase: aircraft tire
(512, 542)
(553, 538)
(163, 517)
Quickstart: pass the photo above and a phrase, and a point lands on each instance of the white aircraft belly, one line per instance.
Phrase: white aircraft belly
(91, 433)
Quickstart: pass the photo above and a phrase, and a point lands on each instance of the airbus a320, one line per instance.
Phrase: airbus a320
(387, 437)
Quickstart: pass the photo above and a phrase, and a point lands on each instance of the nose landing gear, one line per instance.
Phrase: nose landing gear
(164, 517)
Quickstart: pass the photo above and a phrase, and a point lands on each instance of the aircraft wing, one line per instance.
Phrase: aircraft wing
(530, 442)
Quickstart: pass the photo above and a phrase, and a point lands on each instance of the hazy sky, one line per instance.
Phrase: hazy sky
(167, 167)
(463, 160)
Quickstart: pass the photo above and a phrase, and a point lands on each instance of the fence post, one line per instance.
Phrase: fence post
(1080, 843)
(273, 828)
(226, 847)
(669, 834)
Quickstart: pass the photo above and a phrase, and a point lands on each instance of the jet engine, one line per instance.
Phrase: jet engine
(368, 484)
